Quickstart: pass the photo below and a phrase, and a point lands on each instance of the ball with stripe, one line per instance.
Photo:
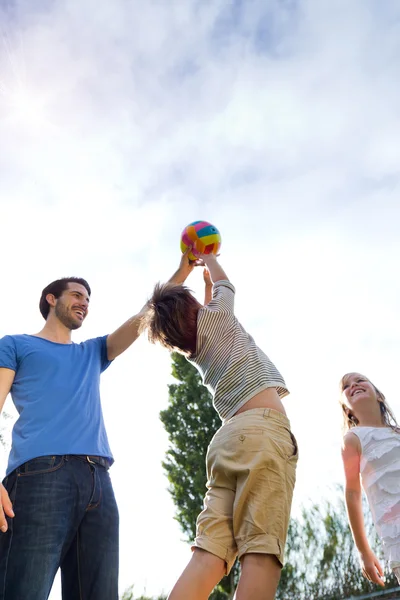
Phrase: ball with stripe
(203, 237)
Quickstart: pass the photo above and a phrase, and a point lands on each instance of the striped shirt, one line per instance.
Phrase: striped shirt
(232, 366)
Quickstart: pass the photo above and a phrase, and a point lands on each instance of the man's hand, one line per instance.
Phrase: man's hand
(5, 508)
(371, 568)
(186, 266)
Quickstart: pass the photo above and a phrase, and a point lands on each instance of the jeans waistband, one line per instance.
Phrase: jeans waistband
(96, 460)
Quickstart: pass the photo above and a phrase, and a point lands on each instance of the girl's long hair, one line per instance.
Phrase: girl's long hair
(350, 420)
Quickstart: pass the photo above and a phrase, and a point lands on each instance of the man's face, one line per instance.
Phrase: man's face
(72, 306)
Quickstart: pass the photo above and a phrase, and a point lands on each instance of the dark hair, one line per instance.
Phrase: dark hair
(171, 319)
(57, 288)
(350, 420)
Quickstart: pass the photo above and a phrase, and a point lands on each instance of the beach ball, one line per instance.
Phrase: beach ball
(203, 237)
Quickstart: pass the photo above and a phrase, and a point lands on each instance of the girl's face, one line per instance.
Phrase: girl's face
(358, 389)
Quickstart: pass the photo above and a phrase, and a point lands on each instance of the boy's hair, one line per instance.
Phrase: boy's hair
(171, 318)
(57, 288)
(350, 420)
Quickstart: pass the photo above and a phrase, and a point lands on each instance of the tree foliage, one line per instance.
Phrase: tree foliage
(321, 560)
(128, 595)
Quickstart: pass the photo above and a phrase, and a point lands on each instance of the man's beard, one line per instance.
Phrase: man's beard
(65, 317)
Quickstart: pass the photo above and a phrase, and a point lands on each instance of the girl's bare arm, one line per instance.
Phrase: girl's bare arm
(351, 453)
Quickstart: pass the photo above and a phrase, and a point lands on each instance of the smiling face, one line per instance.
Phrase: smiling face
(362, 402)
(357, 388)
(72, 306)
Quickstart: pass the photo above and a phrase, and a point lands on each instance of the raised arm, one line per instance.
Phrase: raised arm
(216, 271)
(186, 266)
(6, 381)
(351, 452)
(208, 286)
(124, 336)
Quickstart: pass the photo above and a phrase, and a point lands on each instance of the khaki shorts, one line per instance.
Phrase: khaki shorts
(251, 470)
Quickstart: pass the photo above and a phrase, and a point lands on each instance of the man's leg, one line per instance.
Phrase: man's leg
(31, 548)
(89, 570)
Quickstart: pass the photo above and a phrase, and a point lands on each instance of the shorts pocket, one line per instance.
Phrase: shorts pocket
(42, 464)
(295, 453)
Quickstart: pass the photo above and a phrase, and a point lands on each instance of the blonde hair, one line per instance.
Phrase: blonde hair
(350, 420)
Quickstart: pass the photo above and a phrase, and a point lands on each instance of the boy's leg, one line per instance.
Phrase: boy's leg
(259, 578)
(200, 577)
(30, 550)
(89, 570)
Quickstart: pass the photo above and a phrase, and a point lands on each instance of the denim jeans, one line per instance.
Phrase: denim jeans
(65, 516)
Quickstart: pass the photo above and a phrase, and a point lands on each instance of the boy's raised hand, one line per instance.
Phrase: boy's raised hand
(211, 262)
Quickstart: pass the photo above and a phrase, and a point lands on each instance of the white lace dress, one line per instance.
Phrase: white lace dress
(380, 478)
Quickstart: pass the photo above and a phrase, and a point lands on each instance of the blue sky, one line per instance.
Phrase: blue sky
(278, 122)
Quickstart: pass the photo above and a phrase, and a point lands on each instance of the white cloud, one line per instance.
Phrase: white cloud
(277, 121)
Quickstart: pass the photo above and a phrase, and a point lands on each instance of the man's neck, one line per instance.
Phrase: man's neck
(54, 331)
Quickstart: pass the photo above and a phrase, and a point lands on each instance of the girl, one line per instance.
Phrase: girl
(251, 460)
(371, 449)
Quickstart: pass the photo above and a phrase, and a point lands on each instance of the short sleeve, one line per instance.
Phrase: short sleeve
(223, 297)
(105, 363)
(8, 353)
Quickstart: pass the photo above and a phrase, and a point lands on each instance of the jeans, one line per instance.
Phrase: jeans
(65, 516)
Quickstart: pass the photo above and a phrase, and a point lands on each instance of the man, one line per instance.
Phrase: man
(57, 506)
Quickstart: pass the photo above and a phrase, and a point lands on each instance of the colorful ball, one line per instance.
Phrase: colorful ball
(203, 237)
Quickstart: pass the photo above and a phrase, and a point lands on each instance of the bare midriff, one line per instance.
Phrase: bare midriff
(268, 398)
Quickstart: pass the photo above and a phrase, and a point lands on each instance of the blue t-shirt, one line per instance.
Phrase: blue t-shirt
(56, 391)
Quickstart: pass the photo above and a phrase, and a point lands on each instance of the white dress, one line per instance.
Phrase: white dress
(380, 478)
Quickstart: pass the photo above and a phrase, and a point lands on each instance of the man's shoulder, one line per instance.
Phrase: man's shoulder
(13, 338)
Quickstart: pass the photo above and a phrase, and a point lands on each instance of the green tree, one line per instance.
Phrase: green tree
(128, 595)
(190, 421)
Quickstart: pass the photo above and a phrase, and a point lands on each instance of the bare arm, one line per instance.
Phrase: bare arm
(124, 336)
(351, 452)
(208, 286)
(216, 271)
(6, 381)
(186, 266)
